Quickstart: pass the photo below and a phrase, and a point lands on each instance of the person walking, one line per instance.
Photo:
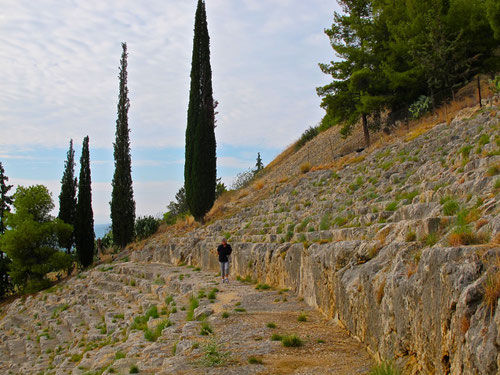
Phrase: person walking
(224, 250)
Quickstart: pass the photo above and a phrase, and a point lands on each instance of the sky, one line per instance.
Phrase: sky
(59, 64)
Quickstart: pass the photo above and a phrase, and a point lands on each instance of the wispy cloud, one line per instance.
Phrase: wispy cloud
(59, 63)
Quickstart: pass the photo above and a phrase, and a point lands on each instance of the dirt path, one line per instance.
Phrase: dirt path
(119, 316)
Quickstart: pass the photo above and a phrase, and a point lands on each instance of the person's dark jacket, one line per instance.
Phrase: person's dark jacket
(224, 252)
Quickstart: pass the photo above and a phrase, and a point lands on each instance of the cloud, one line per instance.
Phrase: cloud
(59, 63)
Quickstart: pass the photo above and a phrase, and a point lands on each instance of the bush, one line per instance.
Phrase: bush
(271, 325)
(391, 206)
(145, 227)
(276, 337)
(492, 290)
(213, 357)
(291, 341)
(493, 170)
(450, 207)
(206, 329)
(302, 317)
(305, 167)
(134, 369)
(421, 106)
(306, 137)
(243, 180)
(254, 361)
(385, 368)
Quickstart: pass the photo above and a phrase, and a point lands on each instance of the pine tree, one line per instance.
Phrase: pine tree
(67, 197)
(122, 199)
(32, 237)
(200, 169)
(5, 202)
(84, 221)
(259, 165)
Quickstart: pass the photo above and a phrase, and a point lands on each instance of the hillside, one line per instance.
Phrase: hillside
(398, 245)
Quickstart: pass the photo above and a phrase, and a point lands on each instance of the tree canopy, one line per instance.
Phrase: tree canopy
(122, 200)
(388, 53)
(200, 169)
(33, 238)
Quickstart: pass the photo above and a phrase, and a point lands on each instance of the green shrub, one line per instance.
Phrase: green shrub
(212, 356)
(152, 312)
(206, 329)
(450, 207)
(119, 355)
(392, 206)
(306, 137)
(431, 239)
(484, 139)
(340, 221)
(254, 361)
(212, 294)
(146, 226)
(385, 368)
(291, 341)
(496, 185)
(240, 309)
(262, 287)
(276, 337)
(133, 369)
(325, 222)
(302, 317)
(493, 170)
(465, 152)
(225, 315)
(420, 106)
(271, 325)
(193, 304)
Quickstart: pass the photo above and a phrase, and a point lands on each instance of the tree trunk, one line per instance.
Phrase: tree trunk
(365, 130)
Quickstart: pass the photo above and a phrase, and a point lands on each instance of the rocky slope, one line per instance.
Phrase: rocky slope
(128, 314)
(399, 245)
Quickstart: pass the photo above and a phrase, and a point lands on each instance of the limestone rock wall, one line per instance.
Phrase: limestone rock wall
(372, 246)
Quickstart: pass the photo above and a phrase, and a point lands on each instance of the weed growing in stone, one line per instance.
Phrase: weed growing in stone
(302, 317)
(213, 357)
(385, 368)
(254, 360)
(291, 341)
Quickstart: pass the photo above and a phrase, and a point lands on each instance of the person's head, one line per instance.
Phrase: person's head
(224, 241)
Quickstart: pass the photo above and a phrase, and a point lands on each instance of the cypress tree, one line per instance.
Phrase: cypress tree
(259, 165)
(122, 199)
(200, 169)
(67, 197)
(5, 202)
(84, 221)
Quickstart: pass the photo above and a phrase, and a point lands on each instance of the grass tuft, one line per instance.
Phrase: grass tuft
(291, 341)
(254, 361)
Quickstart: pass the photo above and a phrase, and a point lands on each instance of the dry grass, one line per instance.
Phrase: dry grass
(492, 288)
(467, 239)
(464, 324)
(481, 223)
(496, 239)
(258, 185)
(305, 167)
(282, 157)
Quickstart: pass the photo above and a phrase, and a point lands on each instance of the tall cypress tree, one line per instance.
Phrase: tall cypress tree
(5, 202)
(122, 199)
(84, 221)
(67, 197)
(200, 169)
